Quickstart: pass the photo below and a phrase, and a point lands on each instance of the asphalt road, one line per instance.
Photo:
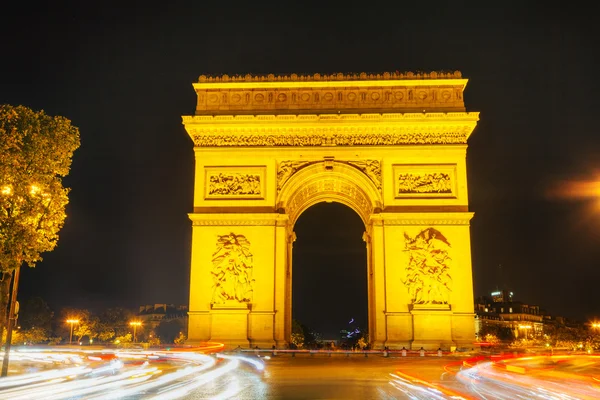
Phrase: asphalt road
(336, 377)
(97, 374)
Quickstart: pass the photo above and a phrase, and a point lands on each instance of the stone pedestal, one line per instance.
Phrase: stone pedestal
(432, 326)
(399, 330)
(229, 322)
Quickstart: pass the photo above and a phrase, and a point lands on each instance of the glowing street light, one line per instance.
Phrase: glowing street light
(72, 322)
(135, 324)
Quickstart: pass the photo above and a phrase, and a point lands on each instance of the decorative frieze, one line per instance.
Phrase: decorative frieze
(237, 182)
(358, 139)
(435, 182)
(425, 180)
(330, 129)
(435, 90)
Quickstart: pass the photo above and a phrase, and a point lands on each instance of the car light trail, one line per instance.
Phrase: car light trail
(116, 375)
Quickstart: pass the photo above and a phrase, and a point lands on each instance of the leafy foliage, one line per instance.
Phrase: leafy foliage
(124, 340)
(35, 154)
(180, 339)
(36, 151)
(88, 324)
(114, 322)
(169, 330)
(297, 338)
(34, 335)
(496, 333)
(303, 336)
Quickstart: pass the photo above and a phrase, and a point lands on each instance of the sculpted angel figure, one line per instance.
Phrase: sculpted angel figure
(427, 273)
(232, 269)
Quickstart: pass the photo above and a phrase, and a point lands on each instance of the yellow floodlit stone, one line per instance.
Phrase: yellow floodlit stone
(390, 146)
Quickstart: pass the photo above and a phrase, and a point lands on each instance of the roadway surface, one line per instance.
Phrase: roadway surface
(59, 373)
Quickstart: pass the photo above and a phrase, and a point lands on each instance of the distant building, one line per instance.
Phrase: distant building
(502, 296)
(500, 310)
(153, 314)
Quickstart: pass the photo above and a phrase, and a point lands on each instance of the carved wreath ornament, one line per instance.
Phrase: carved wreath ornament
(232, 270)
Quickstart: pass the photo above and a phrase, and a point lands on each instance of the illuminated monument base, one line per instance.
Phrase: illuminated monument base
(392, 147)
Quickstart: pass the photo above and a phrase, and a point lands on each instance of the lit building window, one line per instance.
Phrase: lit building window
(510, 310)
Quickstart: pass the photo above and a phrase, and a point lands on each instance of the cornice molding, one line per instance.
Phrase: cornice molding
(330, 129)
(432, 219)
(295, 119)
(238, 219)
(329, 78)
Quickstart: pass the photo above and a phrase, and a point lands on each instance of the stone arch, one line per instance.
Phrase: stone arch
(400, 167)
(339, 182)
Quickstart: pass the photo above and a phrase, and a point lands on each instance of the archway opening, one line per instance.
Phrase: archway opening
(329, 272)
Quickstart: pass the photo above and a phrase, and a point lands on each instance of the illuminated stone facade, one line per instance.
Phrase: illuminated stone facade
(390, 146)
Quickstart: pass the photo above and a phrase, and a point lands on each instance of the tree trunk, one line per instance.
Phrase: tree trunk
(4, 301)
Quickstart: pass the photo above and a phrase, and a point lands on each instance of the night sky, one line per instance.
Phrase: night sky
(124, 76)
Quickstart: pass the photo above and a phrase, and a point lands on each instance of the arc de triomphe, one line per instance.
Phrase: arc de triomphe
(390, 146)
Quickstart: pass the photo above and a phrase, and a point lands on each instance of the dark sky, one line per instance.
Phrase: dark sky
(124, 76)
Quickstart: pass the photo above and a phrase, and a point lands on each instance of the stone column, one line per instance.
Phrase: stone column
(378, 301)
(281, 282)
(290, 239)
(370, 293)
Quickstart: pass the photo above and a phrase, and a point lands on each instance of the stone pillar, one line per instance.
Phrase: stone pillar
(290, 239)
(281, 282)
(377, 263)
(370, 292)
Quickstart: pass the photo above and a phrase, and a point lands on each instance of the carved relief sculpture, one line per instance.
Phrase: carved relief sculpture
(427, 274)
(232, 270)
(436, 182)
(371, 168)
(234, 184)
(367, 139)
(287, 168)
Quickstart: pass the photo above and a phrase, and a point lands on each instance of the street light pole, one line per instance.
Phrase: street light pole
(135, 324)
(72, 322)
(11, 320)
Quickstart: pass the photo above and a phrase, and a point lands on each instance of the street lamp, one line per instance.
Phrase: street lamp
(135, 324)
(72, 322)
